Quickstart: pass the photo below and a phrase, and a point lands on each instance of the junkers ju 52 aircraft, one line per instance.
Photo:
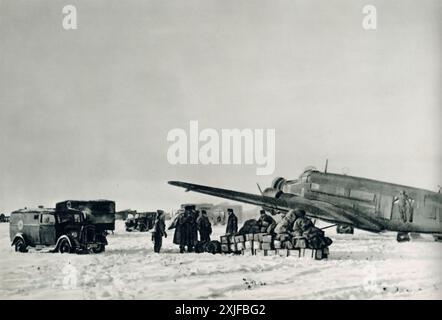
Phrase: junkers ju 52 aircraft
(347, 201)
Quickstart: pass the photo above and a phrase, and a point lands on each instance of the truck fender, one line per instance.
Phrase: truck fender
(61, 238)
(18, 236)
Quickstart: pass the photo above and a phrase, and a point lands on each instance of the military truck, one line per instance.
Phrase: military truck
(142, 221)
(72, 227)
(4, 218)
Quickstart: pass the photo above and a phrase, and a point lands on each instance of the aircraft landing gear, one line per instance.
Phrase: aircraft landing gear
(403, 237)
(343, 229)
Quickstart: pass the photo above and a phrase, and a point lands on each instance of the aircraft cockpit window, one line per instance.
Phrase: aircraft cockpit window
(361, 195)
(328, 189)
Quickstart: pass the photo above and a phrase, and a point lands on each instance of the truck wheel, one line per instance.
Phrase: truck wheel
(20, 246)
(64, 246)
(98, 249)
(142, 227)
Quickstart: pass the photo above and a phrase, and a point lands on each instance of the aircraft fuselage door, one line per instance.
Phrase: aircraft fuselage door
(385, 206)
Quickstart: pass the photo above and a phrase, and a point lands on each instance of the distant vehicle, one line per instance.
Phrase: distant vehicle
(347, 201)
(4, 218)
(142, 221)
(72, 227)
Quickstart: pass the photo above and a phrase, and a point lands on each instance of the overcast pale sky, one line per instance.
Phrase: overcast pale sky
(85, 113)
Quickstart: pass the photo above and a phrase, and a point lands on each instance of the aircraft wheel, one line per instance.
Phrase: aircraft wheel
(403, 237)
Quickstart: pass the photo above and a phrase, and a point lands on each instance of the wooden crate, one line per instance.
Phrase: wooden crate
(224, 239)
(249, 237)
(283, 237)
(239, 238)
(293, 253)
(266, 246)
(225, 248)
(240, 246)
(258, 236)
(256, 245)
(268, 238)
(248, 245)
(270, 253)
(300, 243)
(288, 245)
(277, 244)
(259, 252)
(282, 252)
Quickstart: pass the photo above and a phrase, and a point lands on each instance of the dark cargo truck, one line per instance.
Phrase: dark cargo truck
(73, 226)
(142, 221)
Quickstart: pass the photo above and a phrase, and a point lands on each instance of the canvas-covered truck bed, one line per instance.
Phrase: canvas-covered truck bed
(100, 213)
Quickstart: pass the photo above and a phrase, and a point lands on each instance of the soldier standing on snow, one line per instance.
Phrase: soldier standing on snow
(232, 223)
(185, 227)
(159, 230)
(204, 226)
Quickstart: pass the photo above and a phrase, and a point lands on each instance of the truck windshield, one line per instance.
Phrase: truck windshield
(69, 218)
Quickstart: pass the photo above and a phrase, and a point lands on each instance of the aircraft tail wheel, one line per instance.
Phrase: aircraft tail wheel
(403, 237)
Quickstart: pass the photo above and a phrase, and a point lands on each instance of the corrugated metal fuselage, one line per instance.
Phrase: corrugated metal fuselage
(364, 203)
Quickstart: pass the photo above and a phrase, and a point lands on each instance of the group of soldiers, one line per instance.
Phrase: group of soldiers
(188, 224)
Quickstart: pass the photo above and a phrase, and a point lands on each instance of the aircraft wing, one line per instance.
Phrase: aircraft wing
(316, 209)
(250, 198)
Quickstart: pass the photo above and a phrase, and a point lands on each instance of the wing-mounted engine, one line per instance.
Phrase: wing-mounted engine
(272, 193)
(278, 183)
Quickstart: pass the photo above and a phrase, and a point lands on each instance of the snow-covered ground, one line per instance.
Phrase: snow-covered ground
(360, 266)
